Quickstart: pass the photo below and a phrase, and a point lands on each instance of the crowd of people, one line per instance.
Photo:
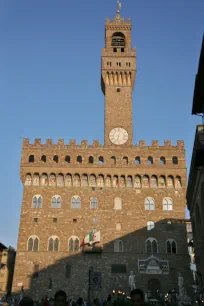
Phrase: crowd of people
(60, 299)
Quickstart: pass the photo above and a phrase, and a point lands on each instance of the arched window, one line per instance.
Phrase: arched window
(28, 180)
(79, 159)
(125, 160)
(76, 202)
(43, 158)
(150, 225)
(68, 180)
(145, 181)
(137, 181)
(92, 180)
(122, 181)
(118, 246)
(162, 182)
(53, 244)
(115, 181)
(113, 160)
(55, 158)
(162, 160)
(129, 181)
(175, 160)
(73, 244)
(33, 244)
(137, 160)
(52, 179)
(91, 160)
(150, 160)
(36, 179)
(118, 203)
(31, 159)
(101, 160)
(60, 180)
(178, 182)
(149, 204)
(56, 201)
(67, 159)
(118, 40)
(108, 181)
(100, 181)
(94, 203)
(167, 204)
(151, 246)
(171, 247)
(170, 181)
(153, 181)
(44, 179)
(37, 201)
(84, 180)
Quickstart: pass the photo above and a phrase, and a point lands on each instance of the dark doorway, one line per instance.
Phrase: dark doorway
(154, 286)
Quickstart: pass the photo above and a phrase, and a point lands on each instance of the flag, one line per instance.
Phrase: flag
(96, 237)
(91, 238)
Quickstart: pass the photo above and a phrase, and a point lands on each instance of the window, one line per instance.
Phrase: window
(79, 159)
(114, 49)
(122, 50)
(118, 226)
(54, 220)
(150, 160)
(35, 220)
(118, 246)
(175, 160)
(118, 39)
(149, 204)
(125, 160)
(94, 203)
(53, 244)
(55, 159)
(73, 244)
(150, 225)
(43, 158)
(118, 89)
(118, 204)
(145, 181)
(167, 204)
(113, 160)
(154, 181)
(171, 247)
(28, 180)
(33, 244)
(95, 219)
(56, 202)
(31, 159)
(101, 160)
(151, 246)
(162, 160)
(67, 159)
(137, 160)
(37, 201)
(76, 202)
(67, 271)
(91, 160)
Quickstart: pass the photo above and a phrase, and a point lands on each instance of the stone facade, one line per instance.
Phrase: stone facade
(133, 194)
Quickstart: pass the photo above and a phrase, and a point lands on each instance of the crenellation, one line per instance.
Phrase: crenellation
(72, 142)
(37, 141)
(96, 144)
(155, 143)
(180, 144)
(25, 142)
(84, 144)
(142, 143)
(60, 142)
(167, 143)
(49, 141)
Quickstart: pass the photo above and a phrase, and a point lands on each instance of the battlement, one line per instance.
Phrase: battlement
(121, 22)
(96, 144)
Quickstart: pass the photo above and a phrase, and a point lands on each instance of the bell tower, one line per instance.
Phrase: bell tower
(117, 81)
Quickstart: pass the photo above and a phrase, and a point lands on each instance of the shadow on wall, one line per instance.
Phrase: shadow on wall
(155, 254)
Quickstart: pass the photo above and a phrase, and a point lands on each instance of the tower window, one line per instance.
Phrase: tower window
(43, 158)
(79, 159)
(67, 159)
(55, 159)
(114, 49)
(31, 159)
(118, 89)
(122, 49)
(118, 39)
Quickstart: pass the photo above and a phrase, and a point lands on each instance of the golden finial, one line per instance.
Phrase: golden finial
(118, 10)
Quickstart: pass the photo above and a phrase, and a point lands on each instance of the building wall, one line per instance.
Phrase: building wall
(7, 261)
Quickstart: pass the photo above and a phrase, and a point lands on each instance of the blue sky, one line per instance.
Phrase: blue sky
(50, 78)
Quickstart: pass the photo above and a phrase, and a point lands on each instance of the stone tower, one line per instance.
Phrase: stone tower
(132, 197)
(118, 78)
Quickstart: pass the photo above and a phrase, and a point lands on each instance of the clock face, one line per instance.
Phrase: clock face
(118, 136)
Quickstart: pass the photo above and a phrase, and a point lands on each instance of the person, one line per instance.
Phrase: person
(60, 298)
(80, 302)
(26, 301)
(137, 297)
(96, 302)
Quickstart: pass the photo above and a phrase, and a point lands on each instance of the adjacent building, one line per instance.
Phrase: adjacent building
(130, 196)
(195, 191)
(7, 262)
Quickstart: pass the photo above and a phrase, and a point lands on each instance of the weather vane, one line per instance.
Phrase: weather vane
(118, 10)
(119, 5)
